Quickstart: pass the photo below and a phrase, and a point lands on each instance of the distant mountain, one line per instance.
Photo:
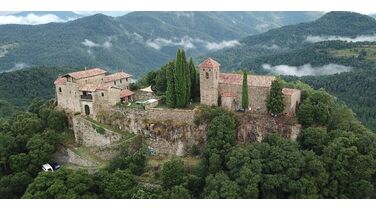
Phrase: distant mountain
(135, 42)
(345, 26)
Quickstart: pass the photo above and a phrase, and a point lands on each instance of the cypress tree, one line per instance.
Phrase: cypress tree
(187, 77)
(180, 82)
(275, 104)
(194, 83)
(170, 91)
(245, 98)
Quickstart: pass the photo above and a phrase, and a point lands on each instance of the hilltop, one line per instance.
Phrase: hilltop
(331, 26)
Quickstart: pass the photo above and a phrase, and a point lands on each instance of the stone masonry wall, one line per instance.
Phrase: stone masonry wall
(86, 133)
(171, 131)
(168, 131)
(176, 115)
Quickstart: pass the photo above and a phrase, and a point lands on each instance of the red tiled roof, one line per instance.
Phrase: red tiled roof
(253, 80)
(87, 73)
(209, 63)
(93, 87)
(116, 76)
(126, 93)
(88, 87)
(60, 81)
(289, 91)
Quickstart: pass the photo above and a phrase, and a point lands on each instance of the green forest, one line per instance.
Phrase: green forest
(357, 89)
(334, 157)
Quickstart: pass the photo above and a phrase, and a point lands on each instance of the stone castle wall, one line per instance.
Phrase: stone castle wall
(168, 131)
(86, 133)
(172, 131)
(175, 115)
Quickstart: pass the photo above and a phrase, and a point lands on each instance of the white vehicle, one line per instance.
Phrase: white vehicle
(47, 168)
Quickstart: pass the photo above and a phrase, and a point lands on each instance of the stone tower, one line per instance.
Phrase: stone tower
(209, 80)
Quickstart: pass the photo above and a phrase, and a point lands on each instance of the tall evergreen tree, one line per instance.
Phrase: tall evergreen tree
(180, 80)
(194, 81)
(170, 91)
(245, 98)
(187, 75)
(275, 103)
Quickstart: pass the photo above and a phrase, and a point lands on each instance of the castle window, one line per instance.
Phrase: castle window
(207, 75)
(126, 79)
(127, 87)
(102, 94)
(121, 81)
(114, 82)
(59, 89)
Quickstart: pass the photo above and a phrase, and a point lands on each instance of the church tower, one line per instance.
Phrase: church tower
(209, 80)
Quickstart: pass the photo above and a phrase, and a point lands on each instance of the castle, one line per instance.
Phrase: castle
(92, 90)
(225, 89)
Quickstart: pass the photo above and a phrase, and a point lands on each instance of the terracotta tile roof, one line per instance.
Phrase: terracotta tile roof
(126, 93)
(116, 76)
(289, 91)
(228, 94)
(88, 87)
(94, 87)
(209, 63)
(60, 81)
(253, 80)
(86, 73)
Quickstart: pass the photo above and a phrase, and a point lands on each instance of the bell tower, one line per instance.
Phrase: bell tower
(209, 80)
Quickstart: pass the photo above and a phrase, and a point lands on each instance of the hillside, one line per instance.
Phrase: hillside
(20, 87)
(347, 26)
(356, 89)
(136, 42)
(318, 55)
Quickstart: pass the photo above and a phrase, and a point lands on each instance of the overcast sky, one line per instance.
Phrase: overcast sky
(34, 19)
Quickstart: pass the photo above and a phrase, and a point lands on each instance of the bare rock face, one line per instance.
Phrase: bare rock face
(173, 132)
(254, 127)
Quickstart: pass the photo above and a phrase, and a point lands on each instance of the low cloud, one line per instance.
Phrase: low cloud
(306, 69)
(158, 43)
(91, 44)
(212, 46)
(17, 66)
(360, 38)
(190, 43)
(30, 19)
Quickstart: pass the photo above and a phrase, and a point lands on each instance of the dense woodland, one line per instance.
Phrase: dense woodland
(357, 89)
(333, 157)
(19, 88)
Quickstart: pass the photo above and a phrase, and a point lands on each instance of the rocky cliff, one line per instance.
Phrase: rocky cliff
(171, 131)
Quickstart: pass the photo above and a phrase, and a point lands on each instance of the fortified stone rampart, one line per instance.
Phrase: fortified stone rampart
(172, 131)
(89, 134)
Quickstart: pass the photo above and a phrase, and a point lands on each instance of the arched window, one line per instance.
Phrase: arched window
(102, 94)
(114, 82)
(121, 81)
(59, 89)
(207, 75)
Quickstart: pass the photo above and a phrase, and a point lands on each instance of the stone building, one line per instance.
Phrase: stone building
(90, 91)
(225, 89)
